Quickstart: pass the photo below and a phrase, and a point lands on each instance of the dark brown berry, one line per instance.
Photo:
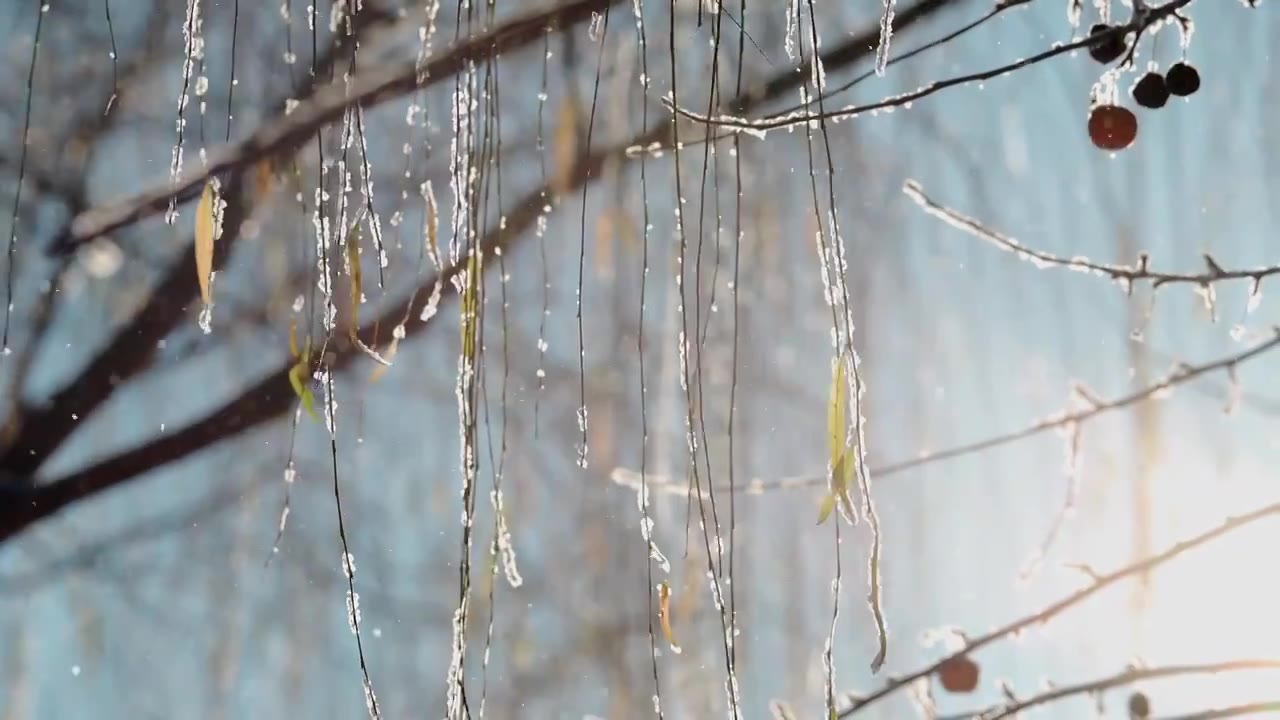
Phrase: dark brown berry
(1182, 79)
(1112, 127)
(1139, 706)
(1150, 91)
(1106, 50)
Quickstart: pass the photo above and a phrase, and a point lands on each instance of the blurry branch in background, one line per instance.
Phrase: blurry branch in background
(91, 128)
(42, 429)
(328, 104)
(1140, 22)
(92, 551)
(1181, 374)
(1129, 676)
(1100, 582)
(932, 44)
(273, 396)
(1256, 708)
(1126, 275)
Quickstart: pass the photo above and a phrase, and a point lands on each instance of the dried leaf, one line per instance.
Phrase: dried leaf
(353, 269)
(207, 231)
(293, 338)
(605, 231)
(564, 145)
(264, 178)
(664, 615)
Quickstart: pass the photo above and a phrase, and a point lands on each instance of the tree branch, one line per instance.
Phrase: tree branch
(1097, 406)
(328, 104)
(42, 430)
(1124, 274)
(1129, 676)
(1139, 23)
(273, 396)
(1103, 581)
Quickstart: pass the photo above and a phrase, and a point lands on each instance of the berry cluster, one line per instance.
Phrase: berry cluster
(1114, 127)
(1153, 89)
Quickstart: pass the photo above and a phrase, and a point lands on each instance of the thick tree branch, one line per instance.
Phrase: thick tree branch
(273, 396)
(36, 432)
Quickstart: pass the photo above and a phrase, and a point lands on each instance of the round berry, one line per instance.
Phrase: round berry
(1151, 91)
(1182, 79)
(959, 675)
(1112, 127)
(1139, 706)
(1106, 50)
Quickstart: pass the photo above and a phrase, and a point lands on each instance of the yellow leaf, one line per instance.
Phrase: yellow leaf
(469, 306)
(389, 354)
(836, 413)
(565, 146)
(433, 242)
(353, 267)
(206, 234)
(299, 372)
(664, 615)
(824, 510)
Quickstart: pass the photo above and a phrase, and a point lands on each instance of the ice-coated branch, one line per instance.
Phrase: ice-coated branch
(1139, 23)
(327, 105)
(1128, 676)
(1127, 275)
(1181, 374)
(1101, 582)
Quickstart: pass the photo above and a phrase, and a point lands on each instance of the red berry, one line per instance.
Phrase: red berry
(1112, 127)
(959, 675)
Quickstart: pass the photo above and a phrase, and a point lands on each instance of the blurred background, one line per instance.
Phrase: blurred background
(155, 597)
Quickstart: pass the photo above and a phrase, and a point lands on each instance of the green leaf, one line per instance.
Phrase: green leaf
(297, 373)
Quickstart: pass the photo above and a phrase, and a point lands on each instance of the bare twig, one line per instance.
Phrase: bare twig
(328, 104)
(1178, 376)
(1124, 274)
(1256, 708)
(1104, 580)
(1140, 22)
(1127, 677)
